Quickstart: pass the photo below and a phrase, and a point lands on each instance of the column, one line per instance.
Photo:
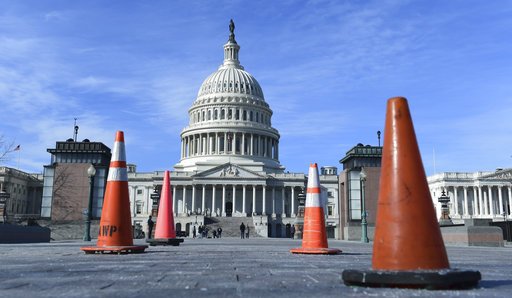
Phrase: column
(203, 200)
(252, 144)
(480, 201)
(259, 145)
(456, 199)
(500, 200)
(243, 201)
(475, 202)
(273, 201)
(264, 207)
(233, 145)
(491, 201)
(225, 143)
(283, 207)
(210, 142)
(193, 144)
(184, 199)
(234, 200)
(254, 199)
(217, 143)
(466, 211)
(214, 211)
(242, 150)
(193, 198)
(200, 144)
(147, 199)
(293, 202)
(174, 201)
(510, 200)
(223, 207)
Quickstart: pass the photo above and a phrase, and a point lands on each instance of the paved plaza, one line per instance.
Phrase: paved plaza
(227, 267)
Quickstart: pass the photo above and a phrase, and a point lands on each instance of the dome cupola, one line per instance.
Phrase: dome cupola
(230, 120)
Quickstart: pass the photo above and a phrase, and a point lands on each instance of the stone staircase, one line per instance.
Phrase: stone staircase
(230, 225)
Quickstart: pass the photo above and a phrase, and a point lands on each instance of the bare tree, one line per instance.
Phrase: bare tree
(5, 148)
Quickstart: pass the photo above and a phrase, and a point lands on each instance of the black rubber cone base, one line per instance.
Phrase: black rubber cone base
(165, 241)
(421, 279)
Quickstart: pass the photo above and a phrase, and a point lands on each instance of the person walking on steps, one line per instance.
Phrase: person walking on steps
(247, 232)
(194, 232)
(219, 231)
(151, 223)
(242, 231)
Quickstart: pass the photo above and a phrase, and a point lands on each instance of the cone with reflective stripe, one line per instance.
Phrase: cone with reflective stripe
(408, 249)
(115, 231)
(314, 236)
(165, 233)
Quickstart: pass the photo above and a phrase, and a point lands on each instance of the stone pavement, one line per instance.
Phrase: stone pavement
(227, 267)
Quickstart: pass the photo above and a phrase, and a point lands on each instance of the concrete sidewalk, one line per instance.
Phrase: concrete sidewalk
(226, 267)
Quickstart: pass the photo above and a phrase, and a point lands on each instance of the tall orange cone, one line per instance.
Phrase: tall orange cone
(115, 233)
(314, 239)
(408, 249)
(165, 233)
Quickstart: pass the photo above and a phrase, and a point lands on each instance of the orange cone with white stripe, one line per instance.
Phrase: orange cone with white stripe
(314, 239)
(408, 249)
(115, 232)
(165, 233)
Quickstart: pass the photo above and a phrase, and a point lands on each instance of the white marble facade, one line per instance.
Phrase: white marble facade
(475, 195)
(229, 163)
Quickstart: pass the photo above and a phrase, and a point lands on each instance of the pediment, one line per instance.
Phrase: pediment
(500, 175)
(227, 171)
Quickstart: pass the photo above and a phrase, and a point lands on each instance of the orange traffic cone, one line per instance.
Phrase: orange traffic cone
(165, 234)
(115, 234)
(314, 239)
(408, 249)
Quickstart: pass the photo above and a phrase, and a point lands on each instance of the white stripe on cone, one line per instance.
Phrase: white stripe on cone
(313, 199)
(119, 152)
(117, 174)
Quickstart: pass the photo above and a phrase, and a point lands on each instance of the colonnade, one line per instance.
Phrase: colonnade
(482, 201)
(229, 143)
(235, 200)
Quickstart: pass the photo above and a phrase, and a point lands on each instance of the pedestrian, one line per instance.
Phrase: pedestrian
(151, 223)
(247, 233)
(194, 232)
(242, 231)
(292, 231)
(200, 230)
(214, 233)
(219, 232)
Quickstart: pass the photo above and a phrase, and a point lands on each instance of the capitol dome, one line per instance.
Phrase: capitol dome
(230, 122)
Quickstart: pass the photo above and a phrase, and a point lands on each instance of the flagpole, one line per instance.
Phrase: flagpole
(19, 153)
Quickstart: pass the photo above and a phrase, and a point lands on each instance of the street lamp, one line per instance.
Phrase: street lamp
(364, 223)
(91, 171)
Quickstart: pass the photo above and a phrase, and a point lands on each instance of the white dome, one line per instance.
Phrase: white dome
(230, 122)
(231, 80)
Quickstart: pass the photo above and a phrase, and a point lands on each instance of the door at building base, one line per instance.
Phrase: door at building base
(229, 208)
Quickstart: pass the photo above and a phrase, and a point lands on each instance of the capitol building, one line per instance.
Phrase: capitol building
(229, 165)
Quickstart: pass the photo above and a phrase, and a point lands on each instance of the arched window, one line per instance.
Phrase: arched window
(209, 115)
(222, 114)
(250, 116)
(215, 114)
(244, 115)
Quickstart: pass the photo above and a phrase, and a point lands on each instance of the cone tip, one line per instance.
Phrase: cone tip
(397, 98)
(120, 136)
(313, 165)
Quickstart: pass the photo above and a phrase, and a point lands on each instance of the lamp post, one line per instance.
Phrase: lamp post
(364, 223)
(91, 171)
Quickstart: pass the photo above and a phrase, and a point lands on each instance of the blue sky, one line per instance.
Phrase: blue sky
(326, 69)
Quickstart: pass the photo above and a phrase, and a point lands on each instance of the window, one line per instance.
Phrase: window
(139, 191)
(329, 193)
(354, 195)
(329, 210)
(138, 208)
